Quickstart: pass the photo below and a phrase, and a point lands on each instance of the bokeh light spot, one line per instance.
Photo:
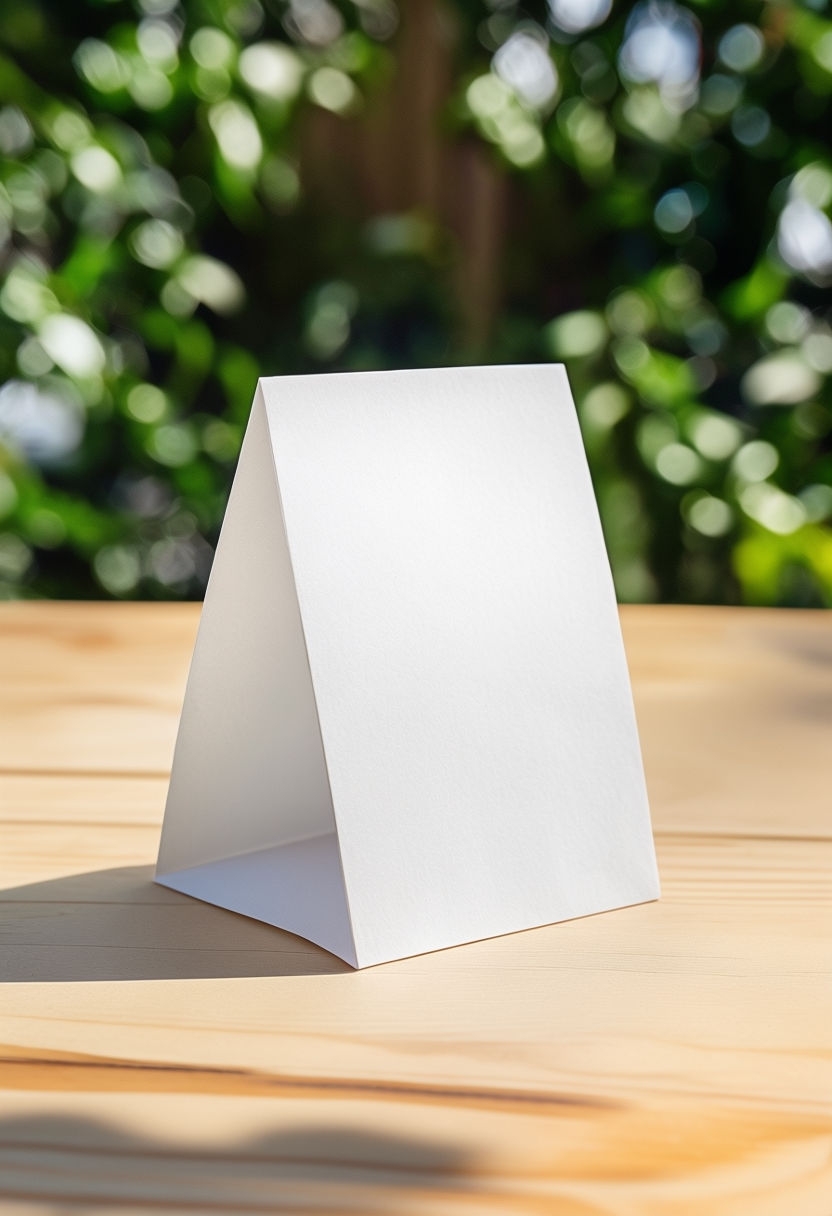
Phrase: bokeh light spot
(487, 95)
(147, 403)
(96, 168)
(40, 423)
(678, 464)
(117, 568)
(332, 89)
(237, 134)
(212, 283)
(575, 16)
(783, 378)
(316, 22)
(709, 515)
(755, 461)
(673, 212)
(788, 322)
(804, 239)
(173, 444)
(604, 406)
(576, 334)
(272, 69)
(15, 558)
(72, 344)
(817, 350)
(524, 64)
(211, 48)
(661, 46)
(720, 94)
(741, 48)
(716, 436)
(772, 508)
(101, 66)
(158, 43)
(750, 125)
(816, 500)
(156, 243)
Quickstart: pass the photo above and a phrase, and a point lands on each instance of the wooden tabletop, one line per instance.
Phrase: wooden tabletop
(668, 1059)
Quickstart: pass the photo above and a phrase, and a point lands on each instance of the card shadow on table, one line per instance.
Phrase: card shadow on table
(328, 1167)
(117, 924)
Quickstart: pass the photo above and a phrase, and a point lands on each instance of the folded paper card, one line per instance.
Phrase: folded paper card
(408, 722)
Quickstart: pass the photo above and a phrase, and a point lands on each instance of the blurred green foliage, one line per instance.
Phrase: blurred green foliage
(668, 176)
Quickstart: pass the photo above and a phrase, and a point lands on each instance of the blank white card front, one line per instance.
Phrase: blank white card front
(464, 651)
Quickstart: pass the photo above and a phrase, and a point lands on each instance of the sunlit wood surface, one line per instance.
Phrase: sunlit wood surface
(162, 1055)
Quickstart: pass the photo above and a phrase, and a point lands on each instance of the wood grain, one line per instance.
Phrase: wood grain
(162, 1055)
(92, 688)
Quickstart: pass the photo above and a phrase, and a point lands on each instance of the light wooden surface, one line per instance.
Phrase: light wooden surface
(162, 1055)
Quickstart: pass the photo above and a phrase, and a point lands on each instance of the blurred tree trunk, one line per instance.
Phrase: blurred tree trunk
(399, 155)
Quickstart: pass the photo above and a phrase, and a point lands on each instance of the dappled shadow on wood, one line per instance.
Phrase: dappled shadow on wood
(117, 924)
(330, 1167)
